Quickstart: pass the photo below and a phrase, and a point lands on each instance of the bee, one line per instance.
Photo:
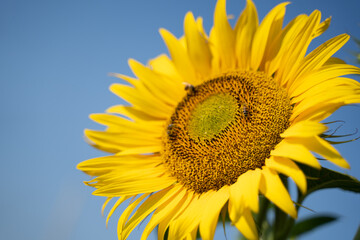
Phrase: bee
(169, 127)
(189, 88)
(170, 130)
(245, 109)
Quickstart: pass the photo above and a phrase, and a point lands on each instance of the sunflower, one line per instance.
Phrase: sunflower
(214, 125)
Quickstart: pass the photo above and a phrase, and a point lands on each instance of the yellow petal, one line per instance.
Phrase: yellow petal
(288, 168)
(163, 65)
(147, 207)
(217, 65)
(322, 27)
(198, 49)
(322, 74)
(164, 224)
(340, 94)
(223, 36)
(163, 211)
(245, 30)
(120, 124)
(316, 105)
(333, 85)
(116, 205)
(298, 49)
(126, 213)
(244, 193)
(334, 60)
(246, 225)
(105, 204)
(248, 17)
(278, 50)
(318, 112)
(103, 165)
(325, 149)
(200, 26)
(161, 87)
(273, 189)
(188, 219)
(131, 173)
(192, 235)
(264, 33)
(320, 55)
(140, 98)
(304, 129)
(307, 91)
(141, 150)
(211, 210)
(115, 142)
(295, 150)
(180, 58)
(134, 114)
(136, 184)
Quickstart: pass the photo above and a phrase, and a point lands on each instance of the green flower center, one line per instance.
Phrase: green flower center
(212, 116)
(223, 128)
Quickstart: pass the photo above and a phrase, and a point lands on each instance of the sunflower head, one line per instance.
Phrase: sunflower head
(224, 127)
(212, 126)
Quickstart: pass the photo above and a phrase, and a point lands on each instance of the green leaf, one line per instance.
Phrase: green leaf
(309, 224)
(326, 178)
(357, 235)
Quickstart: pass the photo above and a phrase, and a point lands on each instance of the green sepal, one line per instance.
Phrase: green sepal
(341, 142)
(309, 224)
(326, 178)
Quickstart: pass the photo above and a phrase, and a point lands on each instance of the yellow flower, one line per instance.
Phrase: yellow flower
(212, 127)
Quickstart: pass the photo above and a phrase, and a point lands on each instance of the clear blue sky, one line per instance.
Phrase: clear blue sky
(55, 57)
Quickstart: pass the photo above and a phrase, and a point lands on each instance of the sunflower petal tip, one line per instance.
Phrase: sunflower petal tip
(111, 87)
(163, 31)
(284, 4)
(79, 166)
(189, 14)
(294, 215)
(133, 63)
(303, 187)
(220, 7)
(345, 164)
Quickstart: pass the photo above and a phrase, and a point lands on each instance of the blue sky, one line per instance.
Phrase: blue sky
(55, 58)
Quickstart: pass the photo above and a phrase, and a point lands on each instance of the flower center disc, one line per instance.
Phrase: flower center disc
(223, 128)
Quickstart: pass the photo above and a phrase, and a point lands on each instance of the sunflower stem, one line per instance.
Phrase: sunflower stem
(288, 225)
(281, 218)
(264, 205)
(287, 229)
